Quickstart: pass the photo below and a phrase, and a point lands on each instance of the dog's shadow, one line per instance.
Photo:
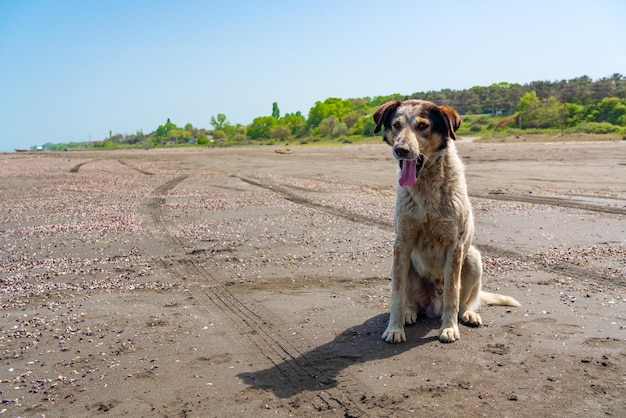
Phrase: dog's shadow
(317, 369)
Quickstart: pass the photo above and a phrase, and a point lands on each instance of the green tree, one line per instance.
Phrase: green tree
(528, 102)
(359, 103)
(261, 127)
(604, 87)
(609, 109)
(574, 114)
(331, 106)
(295, 122)
(219, 122)
(467, 101)
(164, 130)
(351, 118)
(378, 100)
(545, 89)
(181, 136)
(539, 113)
(620, 85)
(364, 126)
(275, 111)
(578, 90)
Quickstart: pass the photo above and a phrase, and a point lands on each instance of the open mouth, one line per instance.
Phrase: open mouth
(410, 171)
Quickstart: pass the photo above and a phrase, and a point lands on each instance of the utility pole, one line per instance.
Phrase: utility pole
(563, 113)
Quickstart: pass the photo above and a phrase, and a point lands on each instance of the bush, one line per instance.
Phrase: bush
(597, 128)
(280, 132)
(240, 138)
(341, 129)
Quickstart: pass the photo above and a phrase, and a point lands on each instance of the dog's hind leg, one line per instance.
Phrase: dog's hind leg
(471, 276)
(414, 303)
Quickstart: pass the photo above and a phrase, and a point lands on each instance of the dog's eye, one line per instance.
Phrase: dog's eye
(421, 126)
(396, 125)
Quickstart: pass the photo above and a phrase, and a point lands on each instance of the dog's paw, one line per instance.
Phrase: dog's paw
(410, 315)
(472, 319)
(394, 335)
(448, 335)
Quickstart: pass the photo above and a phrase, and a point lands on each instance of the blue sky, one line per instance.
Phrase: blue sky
(75, 70)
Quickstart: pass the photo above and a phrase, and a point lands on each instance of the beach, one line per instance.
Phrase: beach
(224, 282)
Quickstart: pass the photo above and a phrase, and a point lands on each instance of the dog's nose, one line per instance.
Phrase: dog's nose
(401, 152)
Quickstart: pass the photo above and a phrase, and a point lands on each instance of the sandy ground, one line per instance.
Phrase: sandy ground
(254, 281)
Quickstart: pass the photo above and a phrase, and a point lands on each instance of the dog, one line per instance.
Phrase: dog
(436, 270)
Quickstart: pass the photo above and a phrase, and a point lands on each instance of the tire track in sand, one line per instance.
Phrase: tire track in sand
(78, 166)
(564, 202)
(262, 329)
(297, 199)
(563, 269)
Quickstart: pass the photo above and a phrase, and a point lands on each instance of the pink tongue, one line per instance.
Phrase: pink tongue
(408, 176)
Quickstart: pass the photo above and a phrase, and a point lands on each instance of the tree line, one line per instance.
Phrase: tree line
(579, 104)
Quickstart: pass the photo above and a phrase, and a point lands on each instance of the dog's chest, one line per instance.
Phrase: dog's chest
(429, 224)
(427, 207)
(431, 243)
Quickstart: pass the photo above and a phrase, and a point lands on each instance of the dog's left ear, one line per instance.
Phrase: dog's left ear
(383, 111)
(452, 118)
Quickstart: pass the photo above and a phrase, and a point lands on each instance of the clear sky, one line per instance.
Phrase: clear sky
(75, 70)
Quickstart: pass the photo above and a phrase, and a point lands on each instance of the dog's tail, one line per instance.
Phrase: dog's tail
(487, 298)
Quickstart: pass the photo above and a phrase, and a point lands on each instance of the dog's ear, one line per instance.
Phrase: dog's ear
(452, 118)
(382, 113)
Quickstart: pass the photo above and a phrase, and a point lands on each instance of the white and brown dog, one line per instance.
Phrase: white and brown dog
(436, 269)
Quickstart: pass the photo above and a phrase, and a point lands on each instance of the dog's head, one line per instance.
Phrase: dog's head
(416, 130)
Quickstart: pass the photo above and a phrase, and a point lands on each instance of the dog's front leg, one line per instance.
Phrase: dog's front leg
(449, 330)
(399, 286)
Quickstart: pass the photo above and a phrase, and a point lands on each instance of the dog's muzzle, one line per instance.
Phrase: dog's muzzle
(402, 153)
